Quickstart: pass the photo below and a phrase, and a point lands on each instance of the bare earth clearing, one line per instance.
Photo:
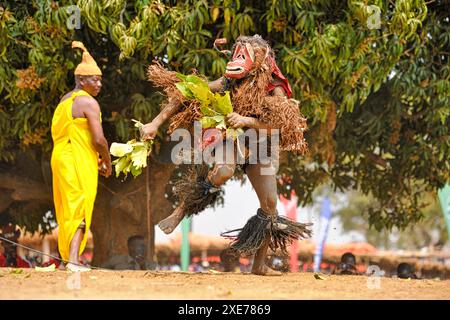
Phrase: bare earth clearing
(100, 284)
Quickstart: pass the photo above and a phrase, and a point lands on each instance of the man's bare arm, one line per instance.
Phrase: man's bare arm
(174, 105)
(149, 130)
(216, 85)
(171, 108)
(237, 121)
(91, 110)
(257, 124)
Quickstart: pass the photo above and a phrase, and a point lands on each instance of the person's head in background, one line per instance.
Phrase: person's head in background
(229, 260)
(347, 264)
(405, 271)
(9, 232)
(348, 258)
(136, 247)
(278, 262)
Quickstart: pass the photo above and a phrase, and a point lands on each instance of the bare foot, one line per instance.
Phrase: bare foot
(265, 271)
(171, 222)
(76, 268)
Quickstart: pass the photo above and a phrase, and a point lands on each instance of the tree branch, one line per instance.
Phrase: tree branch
(375, 158)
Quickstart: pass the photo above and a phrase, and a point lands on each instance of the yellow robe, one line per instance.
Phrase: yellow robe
(75, 173)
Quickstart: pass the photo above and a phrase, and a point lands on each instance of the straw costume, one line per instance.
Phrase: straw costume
(252, 77)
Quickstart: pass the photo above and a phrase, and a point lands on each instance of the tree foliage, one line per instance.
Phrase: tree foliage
(430, 232)
(377, 100)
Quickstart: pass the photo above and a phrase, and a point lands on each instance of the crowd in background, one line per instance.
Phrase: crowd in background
(135, 260)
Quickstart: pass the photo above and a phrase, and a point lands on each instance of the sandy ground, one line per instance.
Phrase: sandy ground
(100, 284)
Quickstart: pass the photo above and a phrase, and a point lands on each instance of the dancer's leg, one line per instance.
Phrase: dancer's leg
(266, 190)
(217, 176)
(171, 222)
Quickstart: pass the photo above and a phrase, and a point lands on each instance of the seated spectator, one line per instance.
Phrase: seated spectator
(278, 263)
(229, 260)
(10, 258)
(135, 260)
(405, 271)
(347, 266)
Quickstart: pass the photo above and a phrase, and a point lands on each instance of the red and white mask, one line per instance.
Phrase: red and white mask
(241, 63)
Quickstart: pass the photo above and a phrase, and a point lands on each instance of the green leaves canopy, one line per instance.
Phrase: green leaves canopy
(377, 100)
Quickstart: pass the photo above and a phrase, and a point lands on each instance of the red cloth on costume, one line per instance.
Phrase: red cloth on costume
(283, 81)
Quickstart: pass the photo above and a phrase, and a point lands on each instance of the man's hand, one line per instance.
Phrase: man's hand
(237, 121)
(104, 168)
(148, 131)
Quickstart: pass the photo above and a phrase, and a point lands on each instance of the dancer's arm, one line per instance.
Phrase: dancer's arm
(236, 121)
(149, 130)
(216, 85)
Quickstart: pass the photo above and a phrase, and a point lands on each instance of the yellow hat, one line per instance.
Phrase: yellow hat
(88, 66)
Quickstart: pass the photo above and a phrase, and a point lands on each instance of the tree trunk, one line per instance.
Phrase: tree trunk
(121, 211)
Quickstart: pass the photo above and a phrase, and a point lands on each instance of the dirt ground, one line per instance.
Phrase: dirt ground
(102, 284)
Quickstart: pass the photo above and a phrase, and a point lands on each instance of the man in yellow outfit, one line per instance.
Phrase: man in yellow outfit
(80, 152)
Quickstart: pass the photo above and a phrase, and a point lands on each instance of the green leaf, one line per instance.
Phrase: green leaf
(120, 149)
(319, 277)
(223, 103)
(221, 124)
(197, 81)
(122, 164)
(181, 76)
(135, 171)
(139, 157)
(17, 271)
(208, 122)
(201, 93)
(184, 89)
(137, 123)
(207, 111)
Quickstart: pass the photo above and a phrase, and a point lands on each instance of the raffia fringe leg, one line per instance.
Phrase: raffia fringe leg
(282, 232)
(196, 191)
